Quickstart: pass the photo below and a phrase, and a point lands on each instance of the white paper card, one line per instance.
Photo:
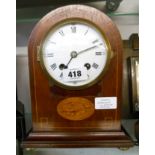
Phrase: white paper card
(75, 74)
(105, 102)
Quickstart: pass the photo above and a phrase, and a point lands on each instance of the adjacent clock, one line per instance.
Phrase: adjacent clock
(75, 64)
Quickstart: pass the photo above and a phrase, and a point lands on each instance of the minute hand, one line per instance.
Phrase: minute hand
(85, 50)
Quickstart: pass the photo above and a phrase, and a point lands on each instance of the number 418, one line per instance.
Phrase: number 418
(74, 74)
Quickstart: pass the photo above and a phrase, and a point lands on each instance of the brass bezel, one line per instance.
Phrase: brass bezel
(109, 53)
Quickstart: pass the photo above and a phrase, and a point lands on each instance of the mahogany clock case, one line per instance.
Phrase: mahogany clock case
(103, 127)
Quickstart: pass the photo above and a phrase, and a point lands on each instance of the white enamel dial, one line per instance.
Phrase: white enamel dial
(74, 54)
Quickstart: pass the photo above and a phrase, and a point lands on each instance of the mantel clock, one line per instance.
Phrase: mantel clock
(75, 64)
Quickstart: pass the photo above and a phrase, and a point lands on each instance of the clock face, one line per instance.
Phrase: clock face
(74, 54)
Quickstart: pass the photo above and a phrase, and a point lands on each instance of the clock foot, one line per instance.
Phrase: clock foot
(124, 148)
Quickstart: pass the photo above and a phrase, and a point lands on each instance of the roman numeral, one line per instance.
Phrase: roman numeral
(95, 65)
(54, 66)
(52, 42)
(61, 75)
(95, 41)
(61, 33)
(49, 55)
(73, 28)
(86, 31)
(99, 53)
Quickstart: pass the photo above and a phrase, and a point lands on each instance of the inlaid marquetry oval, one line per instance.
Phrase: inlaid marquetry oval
(75, 108)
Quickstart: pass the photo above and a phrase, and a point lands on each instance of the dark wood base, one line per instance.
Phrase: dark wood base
(77, 139)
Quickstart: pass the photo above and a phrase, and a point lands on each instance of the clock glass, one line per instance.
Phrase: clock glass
(75, 54)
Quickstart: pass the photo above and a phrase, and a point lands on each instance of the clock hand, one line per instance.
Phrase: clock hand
(66, 66)
(85, 50)
(74, 54)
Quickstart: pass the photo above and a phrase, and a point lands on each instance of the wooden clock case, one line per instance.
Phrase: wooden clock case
(49, 129)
